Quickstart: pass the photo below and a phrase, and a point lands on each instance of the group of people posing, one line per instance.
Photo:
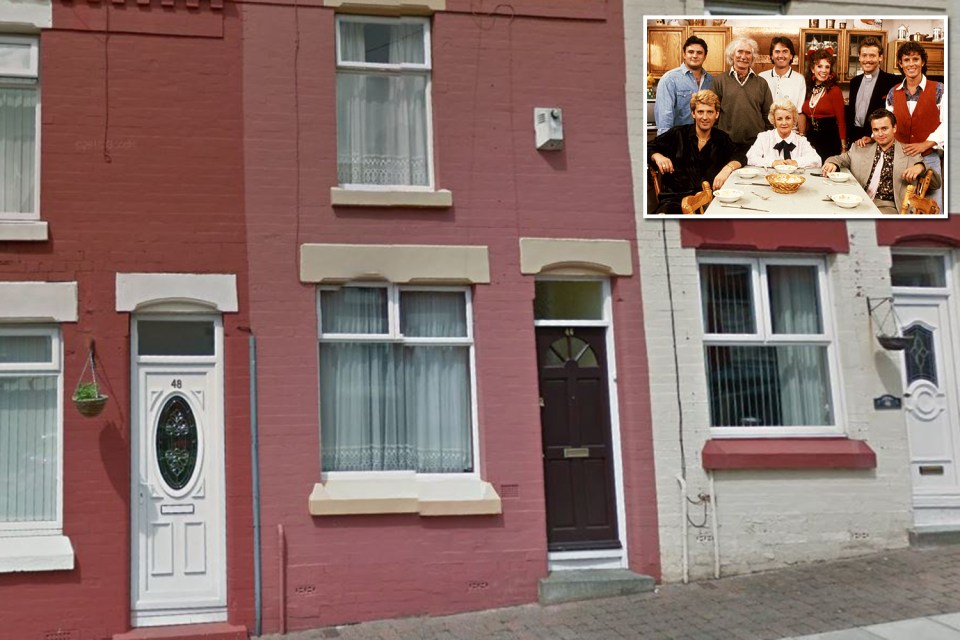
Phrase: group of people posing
(892, 130)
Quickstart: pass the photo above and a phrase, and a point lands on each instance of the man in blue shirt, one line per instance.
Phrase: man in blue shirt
(672, 107)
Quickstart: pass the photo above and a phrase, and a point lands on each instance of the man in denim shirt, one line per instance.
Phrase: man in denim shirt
(672, 108)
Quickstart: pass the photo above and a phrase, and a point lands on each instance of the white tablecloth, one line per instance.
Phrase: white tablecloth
(808, 202)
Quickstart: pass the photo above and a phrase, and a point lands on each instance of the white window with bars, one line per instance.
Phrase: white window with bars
(768, 346)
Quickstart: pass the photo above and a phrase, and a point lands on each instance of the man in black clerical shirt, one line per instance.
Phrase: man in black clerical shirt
(688, 155)
(868, 90)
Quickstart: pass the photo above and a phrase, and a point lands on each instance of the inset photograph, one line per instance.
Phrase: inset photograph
(774, 117)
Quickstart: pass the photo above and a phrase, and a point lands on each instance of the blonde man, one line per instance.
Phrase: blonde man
(782, 145)
(745, 96)
(688, 155)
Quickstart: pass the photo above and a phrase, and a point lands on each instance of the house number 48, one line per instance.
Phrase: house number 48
(176, 383)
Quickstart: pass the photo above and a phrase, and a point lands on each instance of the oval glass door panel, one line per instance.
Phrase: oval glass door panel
(177, 443)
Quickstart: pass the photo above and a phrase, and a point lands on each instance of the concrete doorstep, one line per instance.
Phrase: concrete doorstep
(586, 584)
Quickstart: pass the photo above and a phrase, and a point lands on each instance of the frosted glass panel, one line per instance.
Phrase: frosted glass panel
(15, 59)
(25, 349)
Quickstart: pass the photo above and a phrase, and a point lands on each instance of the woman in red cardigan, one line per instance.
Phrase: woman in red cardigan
(823, 109)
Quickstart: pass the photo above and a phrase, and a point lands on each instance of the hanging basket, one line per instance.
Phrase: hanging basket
(893, 343)
(890, 341)
(92, 407)
(86, 396)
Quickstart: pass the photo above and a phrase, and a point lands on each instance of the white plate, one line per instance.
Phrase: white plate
(839, 176)
(728, 195)
(846, 200)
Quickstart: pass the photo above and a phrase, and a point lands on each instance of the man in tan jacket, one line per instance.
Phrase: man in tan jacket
(882, 167)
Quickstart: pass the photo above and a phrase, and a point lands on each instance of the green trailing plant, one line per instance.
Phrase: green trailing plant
(87, 391)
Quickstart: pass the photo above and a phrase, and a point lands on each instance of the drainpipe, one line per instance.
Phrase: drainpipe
(716, 529)
(255, 464)
(683, 523)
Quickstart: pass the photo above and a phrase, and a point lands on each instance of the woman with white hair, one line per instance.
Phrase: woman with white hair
(782, 145)
(744, 95)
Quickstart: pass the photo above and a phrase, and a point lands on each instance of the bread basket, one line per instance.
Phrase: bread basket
(785, 182)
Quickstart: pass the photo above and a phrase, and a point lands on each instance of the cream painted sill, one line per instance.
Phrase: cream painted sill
(440, 199)
(36, 553)
(404, 492)
(23, 231)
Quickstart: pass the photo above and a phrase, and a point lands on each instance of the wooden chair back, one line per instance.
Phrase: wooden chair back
(914, 197)
(698, 202)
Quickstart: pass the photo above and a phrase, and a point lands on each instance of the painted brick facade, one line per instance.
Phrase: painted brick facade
(768, 518)
(489, 72)
(169, 200)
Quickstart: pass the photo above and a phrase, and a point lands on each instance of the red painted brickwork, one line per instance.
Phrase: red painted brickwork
(918, 232)
(766, 235)
(170, 200)
(489, 72)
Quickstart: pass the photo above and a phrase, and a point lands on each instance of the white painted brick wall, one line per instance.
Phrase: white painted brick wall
(766, 518)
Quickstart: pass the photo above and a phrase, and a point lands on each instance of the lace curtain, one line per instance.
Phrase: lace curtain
(395, 405)
(382, 115)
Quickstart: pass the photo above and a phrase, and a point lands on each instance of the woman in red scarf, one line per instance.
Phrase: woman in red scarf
(823, 109)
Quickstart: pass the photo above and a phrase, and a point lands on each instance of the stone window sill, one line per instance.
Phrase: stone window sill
(17, 231)
(403, 492)
(36, 553)
(787, 453)
(440, 199)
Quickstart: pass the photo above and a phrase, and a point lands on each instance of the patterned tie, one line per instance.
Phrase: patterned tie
(785, 148)
(875, 180)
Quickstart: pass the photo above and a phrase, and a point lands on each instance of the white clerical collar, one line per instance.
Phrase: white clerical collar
(868, 76)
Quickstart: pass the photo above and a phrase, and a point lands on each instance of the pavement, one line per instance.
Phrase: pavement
(907, 594)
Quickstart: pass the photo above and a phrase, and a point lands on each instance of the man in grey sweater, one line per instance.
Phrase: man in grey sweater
(744, 96)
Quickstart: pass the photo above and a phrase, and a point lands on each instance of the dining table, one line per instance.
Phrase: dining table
(811, 200)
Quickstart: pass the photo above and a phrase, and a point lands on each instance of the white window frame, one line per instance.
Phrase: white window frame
(394, 335)
(764, 336)
(32, 73)
(945, 261)
(55, 365)
(425, 69)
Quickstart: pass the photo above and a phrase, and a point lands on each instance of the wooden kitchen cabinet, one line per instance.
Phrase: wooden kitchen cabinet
(664, 43)
(846, 47)
(934, 56)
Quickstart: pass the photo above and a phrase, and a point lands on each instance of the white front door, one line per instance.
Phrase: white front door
(931, 408)
(178, 538)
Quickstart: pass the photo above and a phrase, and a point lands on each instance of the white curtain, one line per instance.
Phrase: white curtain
(18, 141)
(802, 369)
(387, 406)
(28, 434)
(381, 115)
